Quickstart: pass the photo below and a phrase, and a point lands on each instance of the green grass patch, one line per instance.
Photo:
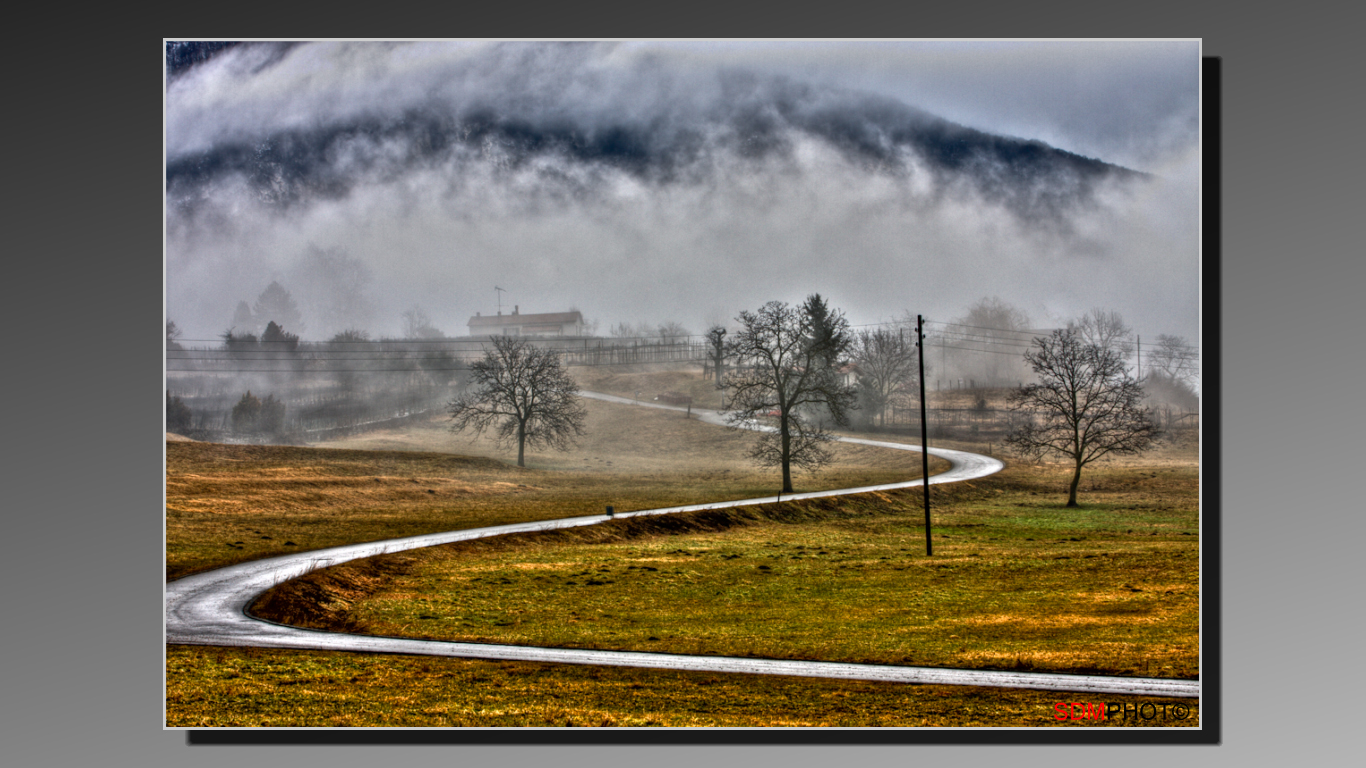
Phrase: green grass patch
(1108, 589)
(1017, 581)
(246, 687)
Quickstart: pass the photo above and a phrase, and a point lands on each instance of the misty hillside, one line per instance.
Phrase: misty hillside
(547, 119)
(652, 182)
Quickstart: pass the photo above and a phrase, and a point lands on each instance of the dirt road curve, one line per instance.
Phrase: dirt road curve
(210, 608)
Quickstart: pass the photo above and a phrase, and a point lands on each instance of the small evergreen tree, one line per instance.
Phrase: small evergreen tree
(272, 417)
(246, 414)
(172, 333)
(276, 339)
(276, 304)
(178, 415)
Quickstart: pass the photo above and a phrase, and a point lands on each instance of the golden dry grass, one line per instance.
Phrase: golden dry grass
(1014, 583)
(228, 503)
(245, 687)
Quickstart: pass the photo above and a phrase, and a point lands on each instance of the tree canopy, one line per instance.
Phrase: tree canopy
(887, 366)
(787, 367)
(1085, 405)
(523, 394)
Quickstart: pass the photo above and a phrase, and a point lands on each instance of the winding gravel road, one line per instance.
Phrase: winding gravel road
(210, 608)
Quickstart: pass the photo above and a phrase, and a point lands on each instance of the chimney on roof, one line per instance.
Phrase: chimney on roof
(514, 309)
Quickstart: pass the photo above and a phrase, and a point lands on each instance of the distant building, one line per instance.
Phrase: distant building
(849, 374)
(517, 324)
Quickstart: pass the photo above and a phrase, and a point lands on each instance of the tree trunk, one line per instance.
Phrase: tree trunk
(787, 454)
(521, 444)
(1072, 492)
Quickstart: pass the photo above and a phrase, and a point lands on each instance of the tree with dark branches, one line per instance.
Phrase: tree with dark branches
(1084, 407)
(524, 395)
(888, 368)
(787, 361)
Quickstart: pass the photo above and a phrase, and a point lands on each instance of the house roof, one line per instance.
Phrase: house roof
(548, 318)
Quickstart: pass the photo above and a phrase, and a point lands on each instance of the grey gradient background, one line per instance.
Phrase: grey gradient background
(82, 662)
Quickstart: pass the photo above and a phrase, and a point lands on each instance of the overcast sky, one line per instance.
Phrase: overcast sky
(690, 223)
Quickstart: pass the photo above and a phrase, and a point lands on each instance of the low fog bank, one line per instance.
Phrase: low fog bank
(637, 187)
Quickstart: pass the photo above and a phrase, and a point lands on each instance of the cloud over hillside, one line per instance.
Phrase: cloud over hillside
(636, 183)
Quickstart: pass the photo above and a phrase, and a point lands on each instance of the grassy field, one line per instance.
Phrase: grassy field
(231, 687)
(1105, 590)
(1016, 581)
(229, 503)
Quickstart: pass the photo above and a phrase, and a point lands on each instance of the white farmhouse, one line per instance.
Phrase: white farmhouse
(517, 324)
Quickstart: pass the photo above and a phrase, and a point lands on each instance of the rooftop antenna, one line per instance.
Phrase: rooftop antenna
(500, 298)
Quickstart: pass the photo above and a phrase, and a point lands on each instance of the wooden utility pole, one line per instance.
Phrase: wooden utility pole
(924, 433)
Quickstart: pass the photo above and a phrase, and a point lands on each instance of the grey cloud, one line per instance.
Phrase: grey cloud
(645, 182)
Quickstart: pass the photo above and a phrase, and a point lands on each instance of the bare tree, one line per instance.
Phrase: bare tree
(334, 289)
(887, 367)
(716, 351)
(418, 325)
(787, 360)
(990, 334)
(624, 330)
(1176, 359)
(1107, 329)
(672, 332)
(1085, 406)
(523, 394)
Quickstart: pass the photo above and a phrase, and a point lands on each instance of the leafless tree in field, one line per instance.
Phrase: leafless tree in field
(1106, 328)
(524, 395)
(1085, 406)
(787, 361)
(887, 367)
(1176, 359)
(988, 331)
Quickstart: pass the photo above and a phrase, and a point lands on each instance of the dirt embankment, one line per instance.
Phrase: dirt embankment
(323, 599)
